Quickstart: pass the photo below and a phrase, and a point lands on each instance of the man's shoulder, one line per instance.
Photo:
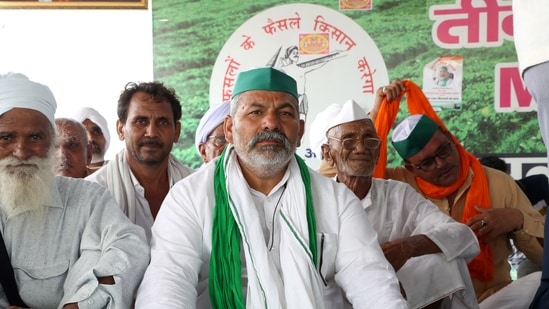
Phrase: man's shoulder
(328, 188)
(198, 177)
(99, 175)
(494, 175)
(182, 169)
(78, 189)
(73, 183)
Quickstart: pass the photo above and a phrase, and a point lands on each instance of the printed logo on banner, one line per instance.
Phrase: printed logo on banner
(355, 5)
(314, 44)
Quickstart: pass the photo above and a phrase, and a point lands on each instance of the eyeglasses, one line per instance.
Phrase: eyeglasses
(218, 140)
(350, 143)
(430, 163)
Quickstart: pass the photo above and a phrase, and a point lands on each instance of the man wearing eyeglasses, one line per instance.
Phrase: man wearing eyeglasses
(210, 138)
(141, 175)
(489, 201)
(417, 238)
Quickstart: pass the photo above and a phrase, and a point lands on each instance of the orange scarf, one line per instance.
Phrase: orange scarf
(482, 266)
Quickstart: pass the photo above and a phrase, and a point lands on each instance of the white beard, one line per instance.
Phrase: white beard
(26, 185)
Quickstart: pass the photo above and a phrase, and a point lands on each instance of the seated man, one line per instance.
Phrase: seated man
(73, 150)
(68, 242)
(140, 175)
(491, 203)
(210, 138)
(427, 248)
(266, 231)
(98, 135)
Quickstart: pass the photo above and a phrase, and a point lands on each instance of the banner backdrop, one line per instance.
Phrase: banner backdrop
(344, 53)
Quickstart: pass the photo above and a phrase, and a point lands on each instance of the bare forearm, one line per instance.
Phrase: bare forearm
(397, 252)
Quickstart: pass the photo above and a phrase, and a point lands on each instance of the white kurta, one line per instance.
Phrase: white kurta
(397, 211)
(128, 192)
(177, 276)
(83, 235)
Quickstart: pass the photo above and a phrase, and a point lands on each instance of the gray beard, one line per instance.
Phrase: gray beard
(271, 159)
(26, 188)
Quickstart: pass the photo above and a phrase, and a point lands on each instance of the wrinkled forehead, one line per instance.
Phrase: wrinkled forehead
(358, 127)
(70, 130)
(26, 117)
(265, 98)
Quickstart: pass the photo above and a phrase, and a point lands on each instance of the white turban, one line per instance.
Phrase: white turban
(213, 117)
(94, 116)
(17, 91)
(333, 115)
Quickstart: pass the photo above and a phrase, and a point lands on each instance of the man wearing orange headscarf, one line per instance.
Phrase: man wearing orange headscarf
(489, 201)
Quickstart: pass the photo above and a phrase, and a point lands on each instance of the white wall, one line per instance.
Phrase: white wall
(85, 56)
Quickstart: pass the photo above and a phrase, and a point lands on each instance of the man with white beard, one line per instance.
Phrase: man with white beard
(63, 249)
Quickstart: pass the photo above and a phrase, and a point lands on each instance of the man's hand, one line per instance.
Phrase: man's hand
(492, 222)
(71, 306)
(391, 91)
(397, 252)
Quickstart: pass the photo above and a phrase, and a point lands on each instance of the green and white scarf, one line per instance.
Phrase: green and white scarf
(299, 282)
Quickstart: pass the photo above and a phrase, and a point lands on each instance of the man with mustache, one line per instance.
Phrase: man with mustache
(141, 175)
(98, 136)
(67, 244)
(72, 149)
(256, 228)
(437, 165)
(428, 249)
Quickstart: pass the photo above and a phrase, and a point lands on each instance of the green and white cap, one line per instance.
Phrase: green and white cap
(412, 134)
(265, 78)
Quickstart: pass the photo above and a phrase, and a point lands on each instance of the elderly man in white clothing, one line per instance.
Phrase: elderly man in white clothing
(65, 243)
(141, 175)
(265, 230)
(428, 249)
(209, 137)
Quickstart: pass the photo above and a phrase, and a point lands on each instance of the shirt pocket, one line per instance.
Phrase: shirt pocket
(327, 252)
(43, 281)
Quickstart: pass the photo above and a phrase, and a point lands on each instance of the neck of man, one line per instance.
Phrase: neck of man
(360, 185)
(150, 175)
